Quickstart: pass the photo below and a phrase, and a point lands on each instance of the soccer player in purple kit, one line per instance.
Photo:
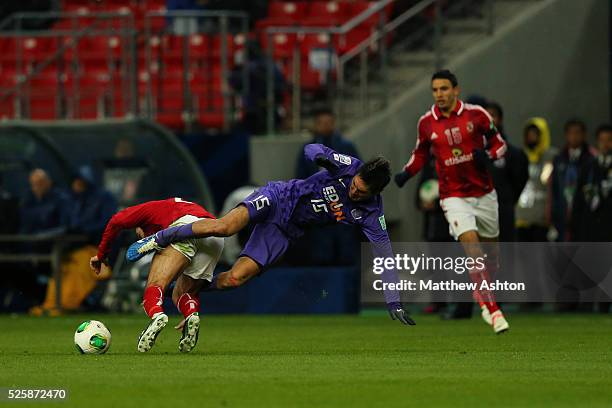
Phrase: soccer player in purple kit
(347, 191)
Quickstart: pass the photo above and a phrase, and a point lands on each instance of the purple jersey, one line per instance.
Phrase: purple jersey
(321, 199)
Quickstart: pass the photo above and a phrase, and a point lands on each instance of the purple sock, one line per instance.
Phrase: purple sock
(173, 234)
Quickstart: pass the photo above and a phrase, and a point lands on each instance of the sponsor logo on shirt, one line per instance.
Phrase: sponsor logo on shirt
(458, 157)
(332, 199)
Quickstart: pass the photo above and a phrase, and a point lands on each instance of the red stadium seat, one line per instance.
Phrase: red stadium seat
(327, 13)
(312, 41)
(43, 104)
(282, 44)
(283, 13)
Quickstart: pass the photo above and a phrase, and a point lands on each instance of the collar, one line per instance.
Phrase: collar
(437, 114)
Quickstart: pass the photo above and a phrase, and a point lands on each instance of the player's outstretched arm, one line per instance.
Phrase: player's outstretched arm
(375, 229)
(328, 158)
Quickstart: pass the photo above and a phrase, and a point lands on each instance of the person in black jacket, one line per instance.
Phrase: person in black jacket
(591, 218)
(510, 174)
(568, 167)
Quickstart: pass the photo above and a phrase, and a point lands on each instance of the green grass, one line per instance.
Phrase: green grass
(307, 361)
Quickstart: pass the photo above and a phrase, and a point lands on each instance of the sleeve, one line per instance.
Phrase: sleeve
(130, 217)
(341, 161)
(375, 229)
(304, 168)
(420, 151)
(495, 145)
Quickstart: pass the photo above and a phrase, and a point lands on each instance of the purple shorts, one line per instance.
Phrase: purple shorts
(268, 242)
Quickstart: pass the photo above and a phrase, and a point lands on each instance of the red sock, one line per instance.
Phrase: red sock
(152, 300)
(485, 296)
(188, 304)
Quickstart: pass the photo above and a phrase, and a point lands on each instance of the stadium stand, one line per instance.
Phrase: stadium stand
(111, 59)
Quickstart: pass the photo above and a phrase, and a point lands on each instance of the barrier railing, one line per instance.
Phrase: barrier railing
(365, 58)
(64, 60)
(184, 25)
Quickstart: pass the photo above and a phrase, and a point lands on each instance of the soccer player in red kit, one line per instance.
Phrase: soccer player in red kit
(462, 137)
(192, 260)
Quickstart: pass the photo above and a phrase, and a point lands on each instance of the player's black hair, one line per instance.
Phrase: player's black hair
(606, 127)
(496, 107)
(575, 122)
(445, 74)
(376, 173)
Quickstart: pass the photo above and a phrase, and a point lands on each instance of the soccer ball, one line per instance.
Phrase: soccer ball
(92, 337)
(429, 190)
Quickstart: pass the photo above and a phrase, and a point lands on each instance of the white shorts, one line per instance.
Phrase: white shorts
(203, 253)
(478, 214)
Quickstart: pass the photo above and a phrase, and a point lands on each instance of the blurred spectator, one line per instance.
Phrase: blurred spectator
(45, 207)
(91, 209)
(592, 208)
(255, 100)
(92, 206)
(568, 167)
(325, 133)
(510, 174)
(531, 217)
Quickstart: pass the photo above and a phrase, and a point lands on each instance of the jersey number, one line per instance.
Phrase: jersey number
(260, 202)
(453, 135)
(318, 205)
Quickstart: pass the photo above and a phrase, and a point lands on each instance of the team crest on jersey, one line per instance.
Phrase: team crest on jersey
(470, 127)
(356, 213)
(342, 159)
(457, 152)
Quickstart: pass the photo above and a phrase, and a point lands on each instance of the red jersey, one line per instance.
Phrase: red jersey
(451, 141)
(151, 216)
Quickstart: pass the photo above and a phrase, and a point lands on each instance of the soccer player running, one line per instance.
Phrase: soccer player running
(192, 260)
(347, 191)
(462, 137)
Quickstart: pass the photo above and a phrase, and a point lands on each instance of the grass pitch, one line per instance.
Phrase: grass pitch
(319, 361)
